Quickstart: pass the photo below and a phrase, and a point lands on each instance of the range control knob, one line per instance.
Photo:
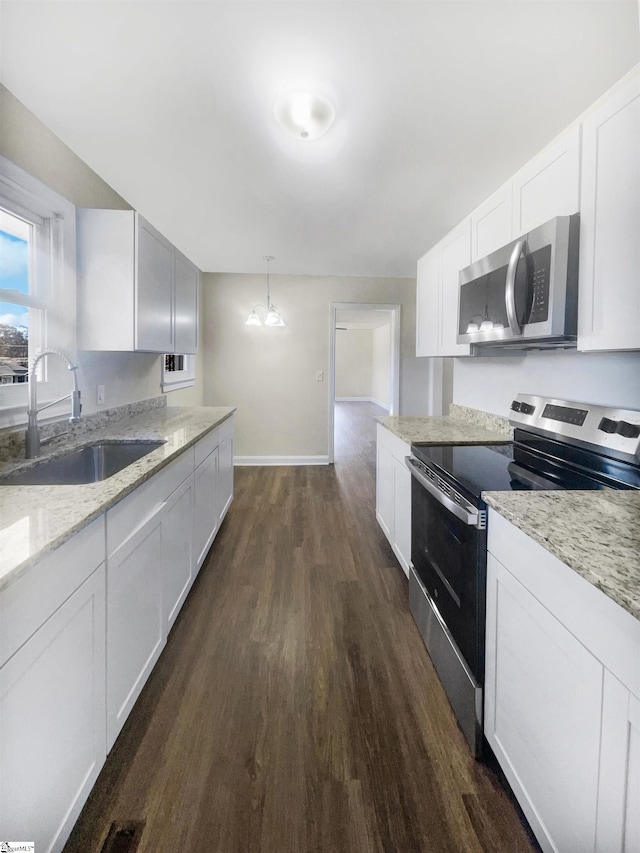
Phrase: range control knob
(607, 425)
(628, 430)
(515, 406)
(527, 409)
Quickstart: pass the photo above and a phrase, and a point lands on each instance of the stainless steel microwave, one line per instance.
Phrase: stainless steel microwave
(524, 295)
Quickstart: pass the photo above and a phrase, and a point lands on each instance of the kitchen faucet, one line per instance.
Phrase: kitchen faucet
(32, 444)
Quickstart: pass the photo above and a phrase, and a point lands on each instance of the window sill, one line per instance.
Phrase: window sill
(178, 384)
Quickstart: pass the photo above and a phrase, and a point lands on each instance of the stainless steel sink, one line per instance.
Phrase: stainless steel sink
(87, 465)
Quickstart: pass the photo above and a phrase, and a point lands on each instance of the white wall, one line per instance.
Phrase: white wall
(128, 377)
(381, 363)
(270, 374)
(491, 383)
(354, 363)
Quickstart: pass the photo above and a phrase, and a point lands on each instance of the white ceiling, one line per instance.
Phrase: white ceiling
(437, 104)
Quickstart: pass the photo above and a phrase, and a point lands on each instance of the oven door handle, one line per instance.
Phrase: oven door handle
(474, 518)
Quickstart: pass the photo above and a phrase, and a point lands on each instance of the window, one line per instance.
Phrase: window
(37, 289)
(178, 371)
(16, 242)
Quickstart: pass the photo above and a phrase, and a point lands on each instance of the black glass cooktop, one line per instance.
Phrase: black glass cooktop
(518, 467)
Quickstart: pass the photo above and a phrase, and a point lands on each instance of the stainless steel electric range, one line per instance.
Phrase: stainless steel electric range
(557, 445)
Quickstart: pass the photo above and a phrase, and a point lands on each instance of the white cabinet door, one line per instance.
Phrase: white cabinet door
(185, 305)
(609, 303)
(52, 733)
(393, 493)
(402, 514)
(455, 255)
(177, 551)
(618, 825)
(135, 634)
(206, 506)
(225, 476)
(428, 304)
(543, 700)
(491, 223)
(549, 185)
(385, 499)
(154, 290)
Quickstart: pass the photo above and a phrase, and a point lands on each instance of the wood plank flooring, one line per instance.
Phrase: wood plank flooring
(295, 707)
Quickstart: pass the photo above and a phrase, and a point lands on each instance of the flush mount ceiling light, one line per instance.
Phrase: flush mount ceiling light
(305, 115)
(272, 315)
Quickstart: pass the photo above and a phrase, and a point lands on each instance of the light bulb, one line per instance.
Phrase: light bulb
(273, 317)
(253, 320)
(472, 327)
(486, 326)
(498, 325)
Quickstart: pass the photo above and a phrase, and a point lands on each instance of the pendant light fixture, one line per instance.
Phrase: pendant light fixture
(273, 316)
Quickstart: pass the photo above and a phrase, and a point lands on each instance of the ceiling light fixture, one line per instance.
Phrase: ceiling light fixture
(273, 316)
(305, 115)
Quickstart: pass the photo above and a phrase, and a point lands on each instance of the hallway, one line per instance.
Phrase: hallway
(294, 707)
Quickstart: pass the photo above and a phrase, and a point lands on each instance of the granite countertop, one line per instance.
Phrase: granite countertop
(597, 534)
(463, 425)
(35, 520)
(443, 430)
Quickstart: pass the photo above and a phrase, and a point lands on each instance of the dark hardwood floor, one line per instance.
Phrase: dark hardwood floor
(295, 707)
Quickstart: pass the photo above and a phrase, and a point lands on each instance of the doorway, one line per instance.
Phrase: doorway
(351, 322)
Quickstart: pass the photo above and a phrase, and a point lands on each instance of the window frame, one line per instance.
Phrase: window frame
(54, 220)
(175, 380)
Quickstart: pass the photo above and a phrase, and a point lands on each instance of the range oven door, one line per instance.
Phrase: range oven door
(448, 552)
(447, 592)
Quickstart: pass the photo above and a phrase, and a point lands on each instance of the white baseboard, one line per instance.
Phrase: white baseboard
(280, 460)
(384, 406)
(362, 400)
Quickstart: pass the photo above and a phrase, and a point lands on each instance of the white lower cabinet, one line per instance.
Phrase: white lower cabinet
(206, 503)
(81, 631)
(618, 826)
(177, 551)
(225, 469)
(52, 724)
(393, 494)
(561, 707)
(135, 634)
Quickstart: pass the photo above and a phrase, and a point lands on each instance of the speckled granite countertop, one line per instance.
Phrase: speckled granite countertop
(597, 534)
(463, 426)
(37, 519)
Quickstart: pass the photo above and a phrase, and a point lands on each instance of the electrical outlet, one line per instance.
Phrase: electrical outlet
(100, 395)
(319, 376)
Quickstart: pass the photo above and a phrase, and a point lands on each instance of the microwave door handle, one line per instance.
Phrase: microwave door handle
(510, 286)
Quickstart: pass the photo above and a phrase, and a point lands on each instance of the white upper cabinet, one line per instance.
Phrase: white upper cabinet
(136, 292)
(153, 289)
(491, 223)
(185, 305)
(437, 293)
(609, 303)
(455, 255)
(428, 304)
(549, 185)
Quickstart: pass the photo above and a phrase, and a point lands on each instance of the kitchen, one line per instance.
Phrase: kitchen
(233, 366)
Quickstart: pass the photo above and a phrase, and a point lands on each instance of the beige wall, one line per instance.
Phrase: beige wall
(354, 363)
(26, 141)
(380, 365)
(270, 374)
